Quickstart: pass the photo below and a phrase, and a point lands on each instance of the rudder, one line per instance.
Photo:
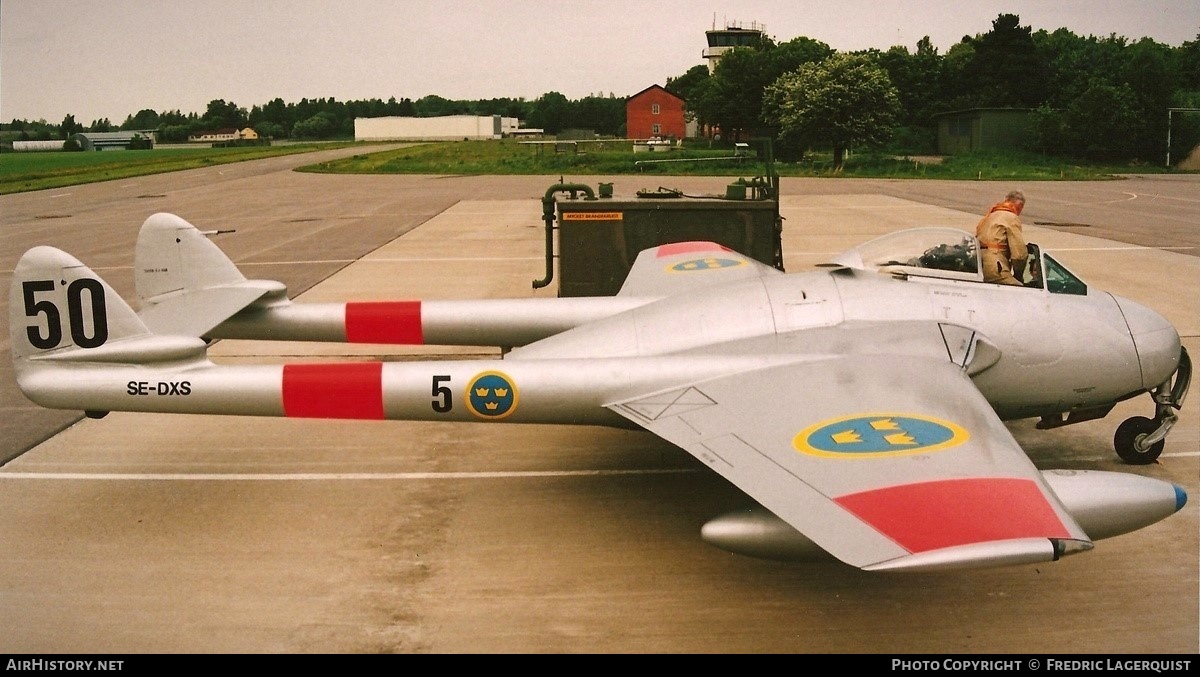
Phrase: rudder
(171, 255)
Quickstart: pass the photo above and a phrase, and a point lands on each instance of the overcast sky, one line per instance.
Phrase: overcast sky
(109, 59)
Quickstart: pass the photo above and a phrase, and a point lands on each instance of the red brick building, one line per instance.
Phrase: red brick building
(654, 112)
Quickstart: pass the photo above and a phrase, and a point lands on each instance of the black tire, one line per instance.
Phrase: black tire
(1128, 433)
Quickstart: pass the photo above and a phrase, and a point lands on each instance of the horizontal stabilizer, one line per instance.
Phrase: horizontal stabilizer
(147, 349)
(195, 313)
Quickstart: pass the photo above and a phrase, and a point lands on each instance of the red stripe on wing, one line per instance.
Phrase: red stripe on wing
(351, 390)
(689, 248)
(395, 322)
(933, 515)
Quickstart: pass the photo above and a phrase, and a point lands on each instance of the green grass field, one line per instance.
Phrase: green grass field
(616, 157)
(41, 170)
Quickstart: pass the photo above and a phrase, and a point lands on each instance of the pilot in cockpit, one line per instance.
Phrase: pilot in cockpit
(1003, 249)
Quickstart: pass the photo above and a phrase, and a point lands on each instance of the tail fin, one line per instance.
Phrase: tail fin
(64, 322)
(57, 304)
(185, 283)
(173, 256)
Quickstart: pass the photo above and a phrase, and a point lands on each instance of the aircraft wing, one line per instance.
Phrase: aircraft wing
(887, 462)
(684, 266)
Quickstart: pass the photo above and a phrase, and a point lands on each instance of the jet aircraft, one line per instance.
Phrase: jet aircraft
(861, 404)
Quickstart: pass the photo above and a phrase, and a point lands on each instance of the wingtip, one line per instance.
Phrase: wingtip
(991, 554)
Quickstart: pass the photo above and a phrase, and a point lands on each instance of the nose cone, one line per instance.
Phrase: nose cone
(1155, 339)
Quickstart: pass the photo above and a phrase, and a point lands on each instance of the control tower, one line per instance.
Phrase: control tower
(734, 34)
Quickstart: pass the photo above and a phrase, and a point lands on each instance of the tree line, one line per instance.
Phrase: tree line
(1103, 98)
(328, 118)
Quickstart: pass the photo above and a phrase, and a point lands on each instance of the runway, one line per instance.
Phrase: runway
(142, 533)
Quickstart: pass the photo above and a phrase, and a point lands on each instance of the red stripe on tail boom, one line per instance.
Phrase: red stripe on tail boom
(351, 390)
(394, 322)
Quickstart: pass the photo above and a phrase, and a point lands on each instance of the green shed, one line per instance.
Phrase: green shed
(974, 129)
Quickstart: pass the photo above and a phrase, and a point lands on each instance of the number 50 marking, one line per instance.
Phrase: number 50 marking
(75, 309)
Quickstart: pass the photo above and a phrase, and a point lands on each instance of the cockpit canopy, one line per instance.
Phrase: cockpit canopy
(952, 254)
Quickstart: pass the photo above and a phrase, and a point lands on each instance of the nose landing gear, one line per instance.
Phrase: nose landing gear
(1140, 440)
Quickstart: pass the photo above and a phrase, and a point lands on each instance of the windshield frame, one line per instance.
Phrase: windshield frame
(1048, 273)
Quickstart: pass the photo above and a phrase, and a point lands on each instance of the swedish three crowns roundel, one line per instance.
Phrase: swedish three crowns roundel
(706, 263)
(492, 395)
(873, 435)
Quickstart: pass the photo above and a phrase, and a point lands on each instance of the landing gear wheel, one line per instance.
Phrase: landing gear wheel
(1128, 433)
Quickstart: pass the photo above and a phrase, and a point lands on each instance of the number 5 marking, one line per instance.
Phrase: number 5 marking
(443, 401)
(33, 307)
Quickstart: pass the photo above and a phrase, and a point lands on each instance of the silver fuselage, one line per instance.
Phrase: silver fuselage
(1030, 352)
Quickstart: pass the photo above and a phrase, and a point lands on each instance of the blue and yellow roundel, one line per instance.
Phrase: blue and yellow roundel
(492, 395)
(875, 435)
(706, 263)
